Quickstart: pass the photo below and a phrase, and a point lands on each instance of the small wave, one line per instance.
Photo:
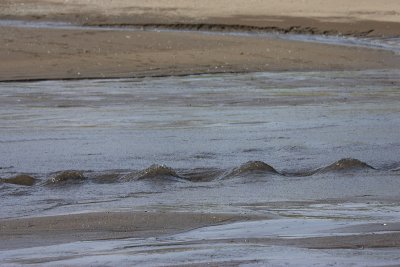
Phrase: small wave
(20, 180)
(154, 172)
(252, 168)
(67, 177)
(346, 164)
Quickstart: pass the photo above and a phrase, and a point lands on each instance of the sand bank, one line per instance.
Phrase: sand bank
(75, 54)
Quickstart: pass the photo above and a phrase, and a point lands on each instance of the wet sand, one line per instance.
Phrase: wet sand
(160, 239)
(51, 230)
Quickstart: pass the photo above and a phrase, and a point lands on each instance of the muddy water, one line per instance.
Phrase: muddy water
(298, 145)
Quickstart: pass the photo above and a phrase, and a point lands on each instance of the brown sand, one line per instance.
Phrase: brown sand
(340, 15)
(73, 54)
(48, 230)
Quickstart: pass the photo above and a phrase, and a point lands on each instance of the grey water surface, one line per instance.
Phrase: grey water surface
(202, 131)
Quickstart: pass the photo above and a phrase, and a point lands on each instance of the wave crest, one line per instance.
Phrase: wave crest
(253, 167)
(346, 164)
(154, 172)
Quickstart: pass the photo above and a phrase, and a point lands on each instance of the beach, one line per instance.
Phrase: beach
(184, 47)
(182, 133)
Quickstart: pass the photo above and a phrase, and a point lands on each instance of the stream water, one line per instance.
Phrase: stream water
(211, 143)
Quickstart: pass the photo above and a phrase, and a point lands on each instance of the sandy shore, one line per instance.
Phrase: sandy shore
(36, 54)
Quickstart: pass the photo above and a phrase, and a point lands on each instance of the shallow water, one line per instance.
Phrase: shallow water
(145, 137)
(256, 143)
